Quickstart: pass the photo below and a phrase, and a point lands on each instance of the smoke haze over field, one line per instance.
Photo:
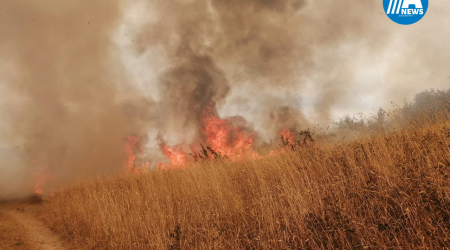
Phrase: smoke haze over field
(77, 77)
(61, 93)
(267, 46)
(313, 60)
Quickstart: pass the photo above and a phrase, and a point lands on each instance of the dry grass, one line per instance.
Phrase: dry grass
(383, 191)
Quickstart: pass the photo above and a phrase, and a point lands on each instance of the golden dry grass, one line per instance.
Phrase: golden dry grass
(383, 191)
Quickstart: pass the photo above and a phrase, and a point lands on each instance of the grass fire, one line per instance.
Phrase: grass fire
(209, 124)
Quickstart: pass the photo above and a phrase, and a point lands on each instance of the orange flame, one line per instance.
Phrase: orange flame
(42, 175)
(38, 186)
(129, 149)
(177, 157)
(288, 141)
(133, 146)
(222, 137)
(288, 136)
(225, 138)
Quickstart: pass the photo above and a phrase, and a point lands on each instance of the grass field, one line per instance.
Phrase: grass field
(382, 191)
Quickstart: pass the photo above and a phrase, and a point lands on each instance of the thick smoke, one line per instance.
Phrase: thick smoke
(272, 47)
(277, 56)
(71, 100)
(62, 94)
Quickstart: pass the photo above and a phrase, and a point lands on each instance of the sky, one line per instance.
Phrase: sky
(389, 75)
(414, 58)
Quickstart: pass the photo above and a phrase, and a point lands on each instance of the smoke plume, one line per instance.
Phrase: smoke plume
(272, 47)
(81, 77)
(63, 98)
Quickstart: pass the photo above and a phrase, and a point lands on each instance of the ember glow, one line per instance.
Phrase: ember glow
(287, 141)
(129, 149)
(38, 186)
(288, 137)
(42, 175)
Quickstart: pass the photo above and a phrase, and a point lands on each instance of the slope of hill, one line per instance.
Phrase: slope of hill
(386, 190)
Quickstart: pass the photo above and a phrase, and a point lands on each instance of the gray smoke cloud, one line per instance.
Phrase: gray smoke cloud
(273, 48)
(62, 99)
(80, 76)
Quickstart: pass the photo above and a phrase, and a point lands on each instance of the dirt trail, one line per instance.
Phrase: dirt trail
(21, 229)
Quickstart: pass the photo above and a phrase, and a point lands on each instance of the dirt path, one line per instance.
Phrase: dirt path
(19, 229)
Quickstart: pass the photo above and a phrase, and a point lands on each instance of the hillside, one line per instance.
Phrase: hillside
(384, 190)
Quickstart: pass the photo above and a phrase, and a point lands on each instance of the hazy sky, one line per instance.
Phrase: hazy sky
(414, 58)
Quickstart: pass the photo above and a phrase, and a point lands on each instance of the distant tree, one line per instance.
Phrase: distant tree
(350, 123)
(381, 116)
(427, 105)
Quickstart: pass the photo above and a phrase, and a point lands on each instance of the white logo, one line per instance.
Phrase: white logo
(405, 7)
(405, 12)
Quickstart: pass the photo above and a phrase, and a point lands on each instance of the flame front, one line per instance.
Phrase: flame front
(129, 149)
(177, 157)
(223, 137)
(288, 137)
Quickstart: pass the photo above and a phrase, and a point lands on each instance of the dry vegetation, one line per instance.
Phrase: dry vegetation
(384, 190)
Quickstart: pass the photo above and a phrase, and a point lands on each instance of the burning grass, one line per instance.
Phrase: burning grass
(387, 190)
(224, 138)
